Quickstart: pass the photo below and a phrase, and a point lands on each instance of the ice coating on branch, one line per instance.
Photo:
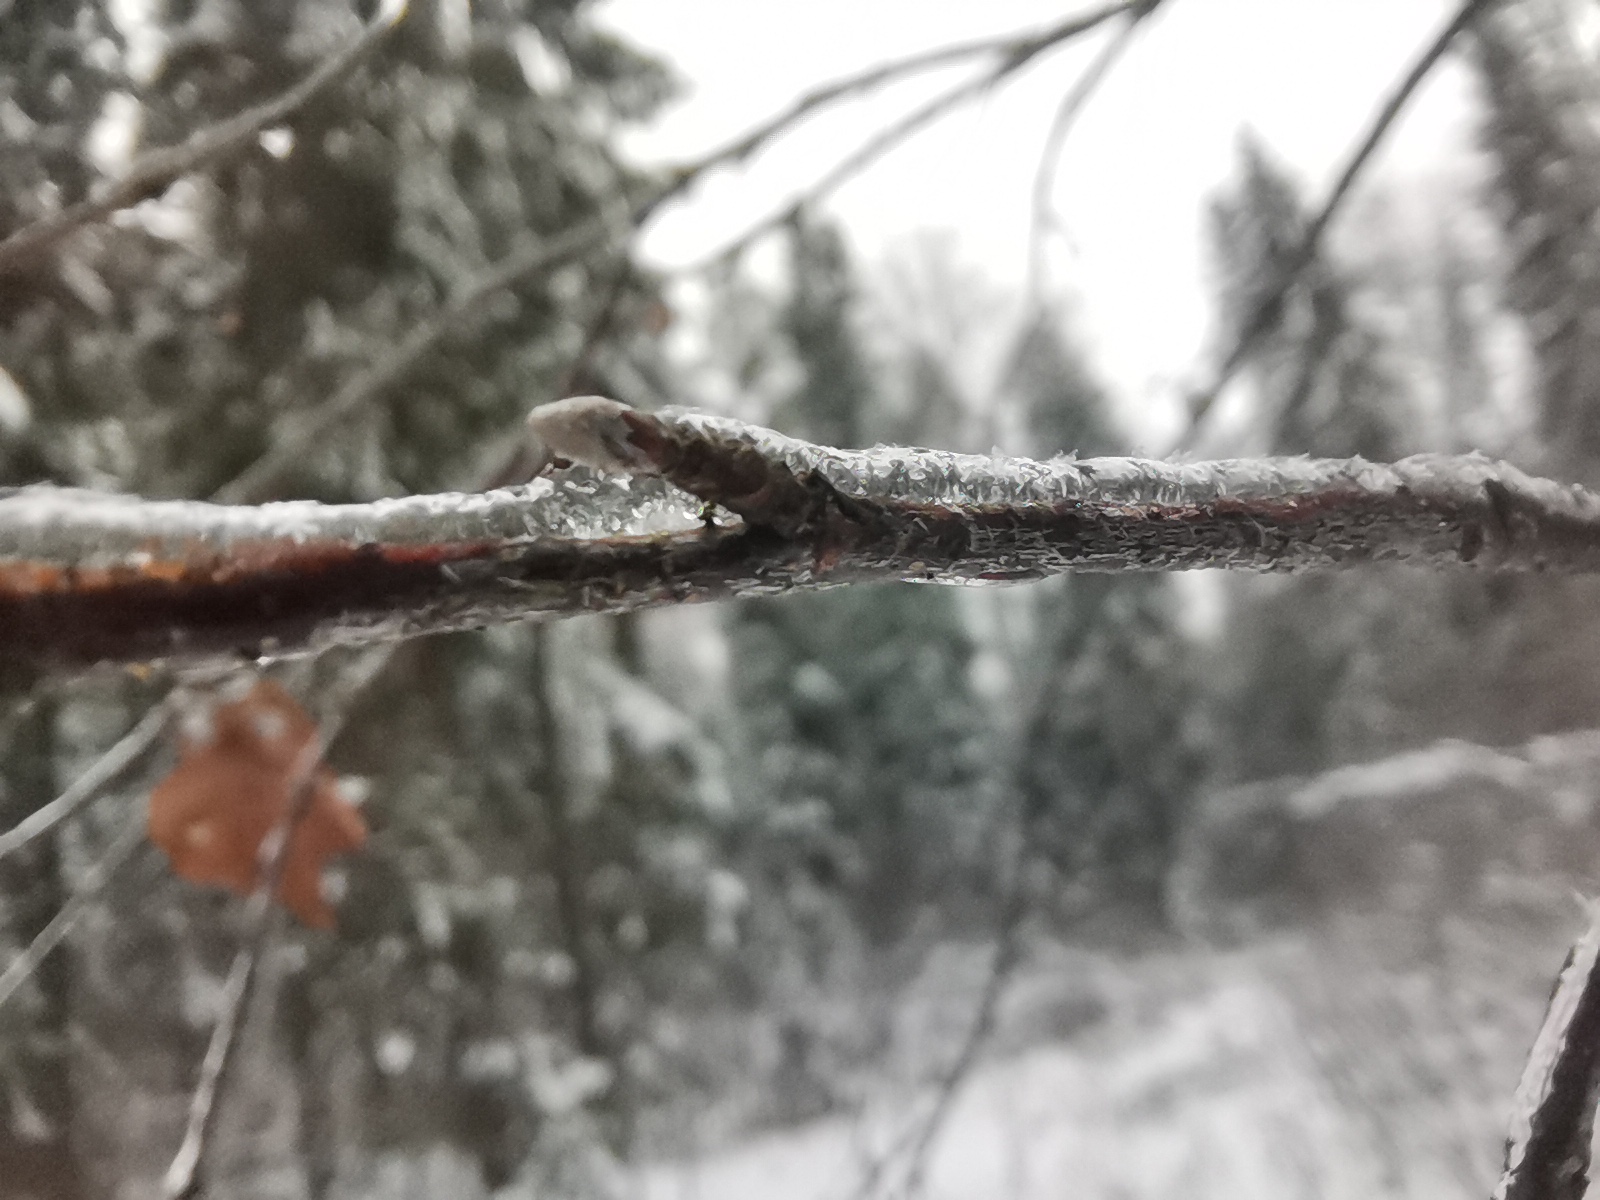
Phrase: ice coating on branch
(52, 524)
(950, 515)
(192, 579)
(987, 481)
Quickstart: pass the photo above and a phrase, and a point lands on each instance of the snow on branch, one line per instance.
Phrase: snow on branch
(1553, 1115)
(679, 506)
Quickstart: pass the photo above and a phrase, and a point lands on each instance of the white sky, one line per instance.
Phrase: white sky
(1158, 135)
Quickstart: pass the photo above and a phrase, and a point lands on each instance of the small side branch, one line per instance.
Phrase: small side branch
(186, 1175)
(1042, 218)
(1017, 56)
(74, 909)
(1259, 320)
(154, 172)
(105, 770)
(86, 577)
(753, 140)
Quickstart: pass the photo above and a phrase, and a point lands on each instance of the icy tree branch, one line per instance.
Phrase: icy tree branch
(698, 508)
(1553, 1115)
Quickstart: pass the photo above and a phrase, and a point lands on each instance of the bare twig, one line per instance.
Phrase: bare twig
(1007, 954)
(596, 329)
(1260, 318)
(87, 577)
(1042, 218)
(1553, 1115)
(310, 426)
(1018, 818)
(105, 770)
(186, 1175)
(748, 143)
(1020, 55)
(157, 170)
(72, 911)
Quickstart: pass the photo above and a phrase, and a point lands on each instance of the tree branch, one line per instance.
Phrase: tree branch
(1009, 47)
(310, 426)
(1042, 217)
(154, 172)
(86, 577)
(1019, 55)
(1260, 319)
(1553, 1115)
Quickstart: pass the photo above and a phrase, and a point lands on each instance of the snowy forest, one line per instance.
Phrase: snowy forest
(1093, 883)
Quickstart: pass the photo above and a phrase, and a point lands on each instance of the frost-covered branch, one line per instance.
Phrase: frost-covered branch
(155, 171)
(1553, 1115)
(701, 507)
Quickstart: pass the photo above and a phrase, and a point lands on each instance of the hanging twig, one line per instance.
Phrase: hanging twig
(1042, 218)
(87, 577)
(1020, 817)
(1019, 56)
(155, 171)
(1260, 319)
(105, 770)
(72, 911)
(186, 1176)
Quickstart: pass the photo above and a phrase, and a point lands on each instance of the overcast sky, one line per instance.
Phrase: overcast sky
(1306, 75)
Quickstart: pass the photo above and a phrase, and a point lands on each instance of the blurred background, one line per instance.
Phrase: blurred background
(1122, 887)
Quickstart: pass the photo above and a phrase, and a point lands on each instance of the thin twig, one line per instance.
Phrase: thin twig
(105, 770)
(748, 143)
(311, 425)
(157, 170)
(885, 140)
(185, 1177)
(1020, 816)
(1260, 320)
(1042, 218)
(72, 911)
(916, 1142)
(1007, 955)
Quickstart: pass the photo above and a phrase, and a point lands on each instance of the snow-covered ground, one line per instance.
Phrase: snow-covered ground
(1217, 1094)
(1362, 1038)
(1214, 1099)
